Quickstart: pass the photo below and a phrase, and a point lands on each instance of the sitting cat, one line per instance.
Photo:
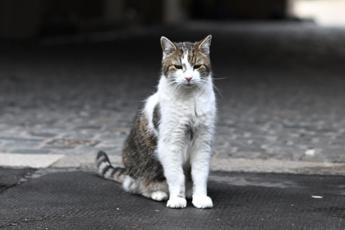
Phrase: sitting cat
(167, 153)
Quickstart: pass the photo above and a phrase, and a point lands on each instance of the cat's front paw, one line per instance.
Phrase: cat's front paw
(176, 202)
(202, 201)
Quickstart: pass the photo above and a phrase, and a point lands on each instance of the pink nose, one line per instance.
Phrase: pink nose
(188, 78)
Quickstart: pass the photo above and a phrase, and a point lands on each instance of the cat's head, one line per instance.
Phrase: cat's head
(186, 64)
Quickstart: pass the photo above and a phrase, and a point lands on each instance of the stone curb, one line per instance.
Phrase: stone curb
(86, 162)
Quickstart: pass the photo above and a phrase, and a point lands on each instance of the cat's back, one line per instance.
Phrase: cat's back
(141, 143)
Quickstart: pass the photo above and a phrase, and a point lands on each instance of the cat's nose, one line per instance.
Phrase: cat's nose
(188, 78)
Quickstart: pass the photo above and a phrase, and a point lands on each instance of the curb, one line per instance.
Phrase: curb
(86, 162)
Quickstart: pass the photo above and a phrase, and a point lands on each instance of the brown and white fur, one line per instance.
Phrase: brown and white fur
(167, 153)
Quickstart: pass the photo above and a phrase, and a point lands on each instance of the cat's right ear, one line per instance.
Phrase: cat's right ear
(167, 46)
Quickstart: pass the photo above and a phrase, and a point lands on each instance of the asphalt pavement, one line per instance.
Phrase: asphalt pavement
(51, 199)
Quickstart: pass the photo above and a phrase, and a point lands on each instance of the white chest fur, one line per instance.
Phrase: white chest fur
(194, 108)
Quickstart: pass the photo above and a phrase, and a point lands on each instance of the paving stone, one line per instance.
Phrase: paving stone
(70, 143)
(275, 103)
(30, 151)
(43, 134)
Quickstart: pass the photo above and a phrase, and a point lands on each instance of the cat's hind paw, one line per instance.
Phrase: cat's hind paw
(176, 202)
(202, 201)
(159, 195)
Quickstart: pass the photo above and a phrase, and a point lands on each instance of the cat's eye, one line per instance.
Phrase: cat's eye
(178, 66)
(197, 66)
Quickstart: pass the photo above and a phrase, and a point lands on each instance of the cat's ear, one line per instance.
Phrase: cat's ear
(204, 45)
(167, 46)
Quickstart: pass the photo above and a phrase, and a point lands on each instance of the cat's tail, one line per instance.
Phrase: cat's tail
(106, 170)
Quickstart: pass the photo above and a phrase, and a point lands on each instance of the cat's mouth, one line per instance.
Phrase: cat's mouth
(189, 85)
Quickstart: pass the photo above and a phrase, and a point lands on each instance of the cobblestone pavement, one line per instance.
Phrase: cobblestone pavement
(281, 90)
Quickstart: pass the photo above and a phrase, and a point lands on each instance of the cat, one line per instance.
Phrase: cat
(166, 155)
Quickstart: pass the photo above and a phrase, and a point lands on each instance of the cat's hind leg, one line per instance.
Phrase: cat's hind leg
(159, 195)
(188, 181)
(157, 191)
(189, 189)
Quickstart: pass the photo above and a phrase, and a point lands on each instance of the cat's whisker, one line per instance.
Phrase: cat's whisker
(173, 84)
(217, 90)
(220, 78)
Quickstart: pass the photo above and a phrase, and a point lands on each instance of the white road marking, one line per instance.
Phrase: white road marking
(316, 197)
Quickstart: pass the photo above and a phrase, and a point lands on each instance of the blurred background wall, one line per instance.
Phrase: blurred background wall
(30, 18)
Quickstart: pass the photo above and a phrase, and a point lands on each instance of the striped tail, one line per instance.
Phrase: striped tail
(106, 170)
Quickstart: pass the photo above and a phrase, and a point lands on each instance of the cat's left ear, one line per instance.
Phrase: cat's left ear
(204, 45)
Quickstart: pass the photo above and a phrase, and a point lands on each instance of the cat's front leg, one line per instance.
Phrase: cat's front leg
(170, 155)
(200, 160)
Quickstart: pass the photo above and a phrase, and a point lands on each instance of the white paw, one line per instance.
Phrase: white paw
(202, 201)
(176, 202)
(159, 195)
